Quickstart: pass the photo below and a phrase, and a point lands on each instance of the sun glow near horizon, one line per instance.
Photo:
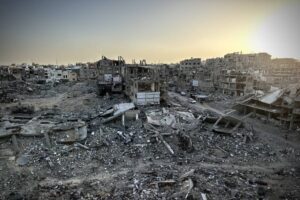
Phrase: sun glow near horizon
(67, 31)
(278, 33)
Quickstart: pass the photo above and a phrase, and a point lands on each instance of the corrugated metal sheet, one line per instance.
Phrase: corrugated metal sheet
(122, 107)
(271, 97)
(195, 83)
(146, 98)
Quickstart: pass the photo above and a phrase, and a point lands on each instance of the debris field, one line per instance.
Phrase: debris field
(66, 142)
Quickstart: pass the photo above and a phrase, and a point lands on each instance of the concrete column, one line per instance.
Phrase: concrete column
(136, 116)
(291, 122)
(123, 119)
(47, 138)
(269, 116)
(15, 143)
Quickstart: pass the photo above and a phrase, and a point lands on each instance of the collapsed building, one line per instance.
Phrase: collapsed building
(5, 74)
(144, 84)
(111, 73)
(69, 143)
(281, 105)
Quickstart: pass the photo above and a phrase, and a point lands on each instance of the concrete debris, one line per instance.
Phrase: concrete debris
(111, 130)
(74, 132)
(161, 119)
(117, 111)
(23, 160)
(22, 109)
(271, 97)
(203, 196)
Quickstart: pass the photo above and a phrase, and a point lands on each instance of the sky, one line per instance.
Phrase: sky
(160, 31)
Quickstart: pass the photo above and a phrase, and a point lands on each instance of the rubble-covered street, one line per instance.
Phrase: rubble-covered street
(66, 142)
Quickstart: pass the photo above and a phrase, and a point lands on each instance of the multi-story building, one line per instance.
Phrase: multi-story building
(190, 63)
(146, 84)
(188, 74)
(235, 83)
(88, 71)
(283, 72)
(282, 105)
(242, 62)
(111, 73)
(53, 75)
(239, 74)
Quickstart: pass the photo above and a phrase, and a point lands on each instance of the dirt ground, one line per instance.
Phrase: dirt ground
(106, 166)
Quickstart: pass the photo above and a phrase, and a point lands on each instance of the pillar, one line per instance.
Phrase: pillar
(269, 116)
(291, 122)
(123, 119)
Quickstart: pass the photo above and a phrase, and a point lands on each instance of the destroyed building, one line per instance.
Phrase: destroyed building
(194, 76)
(279, 104)
(18, 72)
(5, 74)
(88, 71)
(187, 74)
(61, 74)
(111, 72)
(235, 83)
(215, 66)
(282, 72)
(145, 85)
(239, 74)
(63, 141)
(242, 62)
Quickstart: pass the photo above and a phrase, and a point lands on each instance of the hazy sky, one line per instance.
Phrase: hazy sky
(69, 31)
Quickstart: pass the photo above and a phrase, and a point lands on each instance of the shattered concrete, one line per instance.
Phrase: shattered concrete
(64, 150)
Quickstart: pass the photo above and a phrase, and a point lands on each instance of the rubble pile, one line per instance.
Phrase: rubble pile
(90, 147)
(10, 91)
(25, 109)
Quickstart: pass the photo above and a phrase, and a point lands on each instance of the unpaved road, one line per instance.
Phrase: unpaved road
(184, 100)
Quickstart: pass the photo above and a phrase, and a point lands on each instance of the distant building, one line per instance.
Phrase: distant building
(17, 72)
(239, 74)
(53, 75)
(88, 72)
(144, 85)
(111, 74)
(282, 72)
(190, 63)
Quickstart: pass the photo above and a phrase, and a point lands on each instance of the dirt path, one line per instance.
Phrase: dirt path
(270, 134)
(48, 182)
(196, 106)
(141, 167)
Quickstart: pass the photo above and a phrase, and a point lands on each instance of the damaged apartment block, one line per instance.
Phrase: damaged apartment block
(111, 73)
(144, 85)
(281, 105)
